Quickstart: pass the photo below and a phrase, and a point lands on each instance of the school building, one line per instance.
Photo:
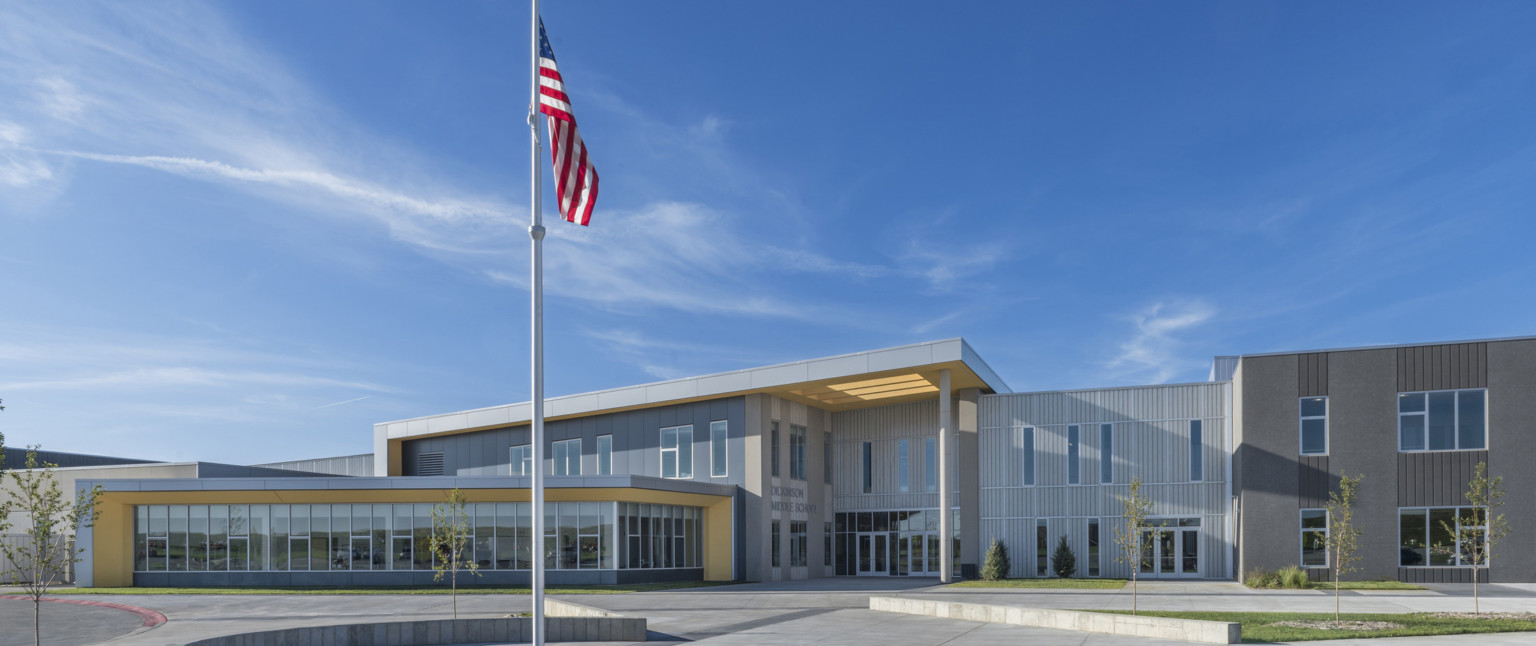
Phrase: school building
(903, 461)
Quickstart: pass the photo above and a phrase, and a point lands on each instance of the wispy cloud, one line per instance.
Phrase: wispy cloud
(1153, 352)
(668, 359)
(342, 402)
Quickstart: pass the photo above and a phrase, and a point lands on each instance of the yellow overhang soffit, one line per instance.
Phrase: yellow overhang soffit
(904, 385)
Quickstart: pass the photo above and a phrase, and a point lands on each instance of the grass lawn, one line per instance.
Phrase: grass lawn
(403, 589)
(1069, 584)
(1258, 627)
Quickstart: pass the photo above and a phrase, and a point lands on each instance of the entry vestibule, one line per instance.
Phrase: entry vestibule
(1170, 548)
(889, 543)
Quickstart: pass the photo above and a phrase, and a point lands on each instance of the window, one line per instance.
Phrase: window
(1041, 540)
(868, 460)
(773, 532)
(1027, 460)
(826, 548)
(1442, 420)
(797, 452)
(521, 459)
(773, 446)
(1314, 538)
(718, 436)
(902, 466)
(1072, 465)
(1314, 425)
(677, 452)
(604, 455)
(826, 458)
(567, 457)
(797, 544)
(1093, 547)
(930, 464)
(1196, 451)
(1432, 536)
(1106, 453)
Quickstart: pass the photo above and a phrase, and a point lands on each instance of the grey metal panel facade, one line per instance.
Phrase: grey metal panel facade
(16, 458)
(636, 442)
(1442, 367)
(1362, 387)
(1313, 481)
(1150, 433)
(1312, 374)
(1437, 479)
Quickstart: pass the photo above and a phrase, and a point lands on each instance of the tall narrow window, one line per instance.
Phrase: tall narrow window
(1027, 456)
(1314, 538)
(902, 466)
(718, 435)
(773, 531)
(797, 452)
(567, 457)
(1314, 425)
(1196, 452)
(826, 458)
(521, 460)
(1041, 546)
(677, 452)
(604, 455)
(773, 446)
(1072, 462)
(826, 548)
(1093, 547)
(798, 544)
(867, 460)
(930, 464)
(1106, 453)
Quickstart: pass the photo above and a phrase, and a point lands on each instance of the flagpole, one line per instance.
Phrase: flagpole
(536, 232)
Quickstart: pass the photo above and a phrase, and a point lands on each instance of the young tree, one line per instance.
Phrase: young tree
(1343, 535)
(450, 541)
(47, 549)
(1135, 509)
(1063, 561)
(996, 566)
(1480, 530)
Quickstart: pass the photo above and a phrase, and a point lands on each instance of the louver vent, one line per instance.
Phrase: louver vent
(429, 464)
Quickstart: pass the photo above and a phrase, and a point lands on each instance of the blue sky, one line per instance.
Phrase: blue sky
(245, 232)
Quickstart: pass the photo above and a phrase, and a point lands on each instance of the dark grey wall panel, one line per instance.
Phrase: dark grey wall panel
(1512, 444)
(1442, 367)
(1312, 374)
(1313, 481)
(1440, 575)
(16, 458)
(1435, 479)
(636, 439)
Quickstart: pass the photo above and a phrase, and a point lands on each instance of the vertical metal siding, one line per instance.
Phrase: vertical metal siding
(884, 427)
(1312, 374)
(1151, 441)
(1442, 367)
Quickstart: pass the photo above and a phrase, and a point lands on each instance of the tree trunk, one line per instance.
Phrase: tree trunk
(1476, 602)
(455, 588)
(37, 625)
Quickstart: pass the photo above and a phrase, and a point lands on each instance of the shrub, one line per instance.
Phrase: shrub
(1293, 577)
(996, 565)
(1063, 561)
(1290, 577)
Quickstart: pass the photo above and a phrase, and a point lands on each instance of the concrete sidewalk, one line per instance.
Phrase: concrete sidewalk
(825, 611)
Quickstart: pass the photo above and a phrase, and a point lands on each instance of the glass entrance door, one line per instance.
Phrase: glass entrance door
(875, 554)
(1171, 548)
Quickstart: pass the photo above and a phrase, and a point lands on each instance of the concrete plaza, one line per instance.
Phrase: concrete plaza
(826, 611)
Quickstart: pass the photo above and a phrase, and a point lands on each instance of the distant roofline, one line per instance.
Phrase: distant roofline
(1109, 388)
(1388, 346)
(983, 371)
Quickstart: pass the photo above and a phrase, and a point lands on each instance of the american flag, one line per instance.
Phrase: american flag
(575, 178)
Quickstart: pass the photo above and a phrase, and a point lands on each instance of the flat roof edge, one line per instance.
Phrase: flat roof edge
(1388, 346)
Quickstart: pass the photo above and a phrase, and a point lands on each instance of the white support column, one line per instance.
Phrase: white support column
(946, 516)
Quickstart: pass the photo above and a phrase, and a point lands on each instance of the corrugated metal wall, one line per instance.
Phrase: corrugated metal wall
(1150, 433)
(884, 428)
(346, 465)
(1442, 367)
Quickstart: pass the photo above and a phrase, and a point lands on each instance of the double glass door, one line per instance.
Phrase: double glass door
(1170, 548)
(897, 554)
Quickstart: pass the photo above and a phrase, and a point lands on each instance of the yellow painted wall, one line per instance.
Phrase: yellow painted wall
(113, 545)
